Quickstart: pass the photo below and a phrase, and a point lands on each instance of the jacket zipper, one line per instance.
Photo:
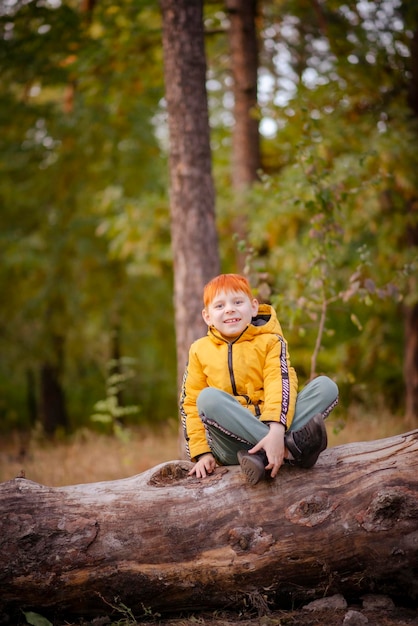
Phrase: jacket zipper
(231, 370)
(230, 365)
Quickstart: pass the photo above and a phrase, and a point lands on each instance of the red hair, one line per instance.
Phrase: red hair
(225, 282)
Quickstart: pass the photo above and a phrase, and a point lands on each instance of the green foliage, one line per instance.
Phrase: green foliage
(110, 412)
(85, 225)
(73, 251)
(327, 224)
(35, 619)
(329, 264)
(333, 265)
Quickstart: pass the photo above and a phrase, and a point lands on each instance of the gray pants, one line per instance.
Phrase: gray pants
(231, 427)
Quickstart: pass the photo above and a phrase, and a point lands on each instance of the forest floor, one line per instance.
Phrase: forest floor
(330, 617)
(351, 616)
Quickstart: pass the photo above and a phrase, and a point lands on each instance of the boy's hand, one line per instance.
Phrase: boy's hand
(273, 446)
(205, 465)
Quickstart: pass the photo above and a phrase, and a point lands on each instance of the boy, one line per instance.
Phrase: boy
(239, 401)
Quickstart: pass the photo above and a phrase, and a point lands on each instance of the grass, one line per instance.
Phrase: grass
(85, 456)
(90, 457)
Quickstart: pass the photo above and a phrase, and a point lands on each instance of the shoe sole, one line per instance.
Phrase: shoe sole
(250, 468)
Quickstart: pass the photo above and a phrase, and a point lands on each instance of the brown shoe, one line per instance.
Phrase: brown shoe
(252, 466)
(307, 443)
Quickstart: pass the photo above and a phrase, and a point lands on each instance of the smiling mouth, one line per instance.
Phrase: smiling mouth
(232, 321)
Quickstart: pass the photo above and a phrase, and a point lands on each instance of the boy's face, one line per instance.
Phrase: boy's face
(230, 312)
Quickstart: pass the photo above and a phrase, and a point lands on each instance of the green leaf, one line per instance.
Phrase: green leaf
(35, 619)
(102, 419)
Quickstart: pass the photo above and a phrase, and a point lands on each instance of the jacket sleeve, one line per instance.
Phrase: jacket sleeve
(194, 380)
(280, 384)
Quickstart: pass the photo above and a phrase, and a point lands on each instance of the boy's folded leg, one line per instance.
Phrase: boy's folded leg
(252, 465)
(306, 444)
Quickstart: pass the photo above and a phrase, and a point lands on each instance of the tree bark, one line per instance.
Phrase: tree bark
(163, 541)
(411, 310)
(52, 404)
(192, 195)
(243, 45)
(410, 314)
(245, 158)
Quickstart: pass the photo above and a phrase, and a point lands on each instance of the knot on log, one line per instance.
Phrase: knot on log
(310, 511)
(245, 539)
(170, 474)
(175, 473)
(388, 508)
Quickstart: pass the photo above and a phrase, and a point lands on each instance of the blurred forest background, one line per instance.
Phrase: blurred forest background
(326, 228)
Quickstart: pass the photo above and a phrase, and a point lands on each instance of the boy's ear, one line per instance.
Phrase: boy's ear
(255, 305)
(206, 317)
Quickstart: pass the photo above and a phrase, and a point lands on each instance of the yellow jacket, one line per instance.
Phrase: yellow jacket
(254, 368)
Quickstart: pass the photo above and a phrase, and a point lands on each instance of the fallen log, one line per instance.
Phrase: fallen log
(163, 541)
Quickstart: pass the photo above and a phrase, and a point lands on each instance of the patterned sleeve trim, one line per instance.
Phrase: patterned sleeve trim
(285, 382)
(183, 414)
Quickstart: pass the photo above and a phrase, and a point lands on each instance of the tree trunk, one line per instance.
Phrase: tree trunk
(411, 360)
(411, 310)
(53, 408)
(243, 47)
(31, 400)
(413, 83)
(245, 159)
(192, 196)
(52, 398)
(163, 541)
